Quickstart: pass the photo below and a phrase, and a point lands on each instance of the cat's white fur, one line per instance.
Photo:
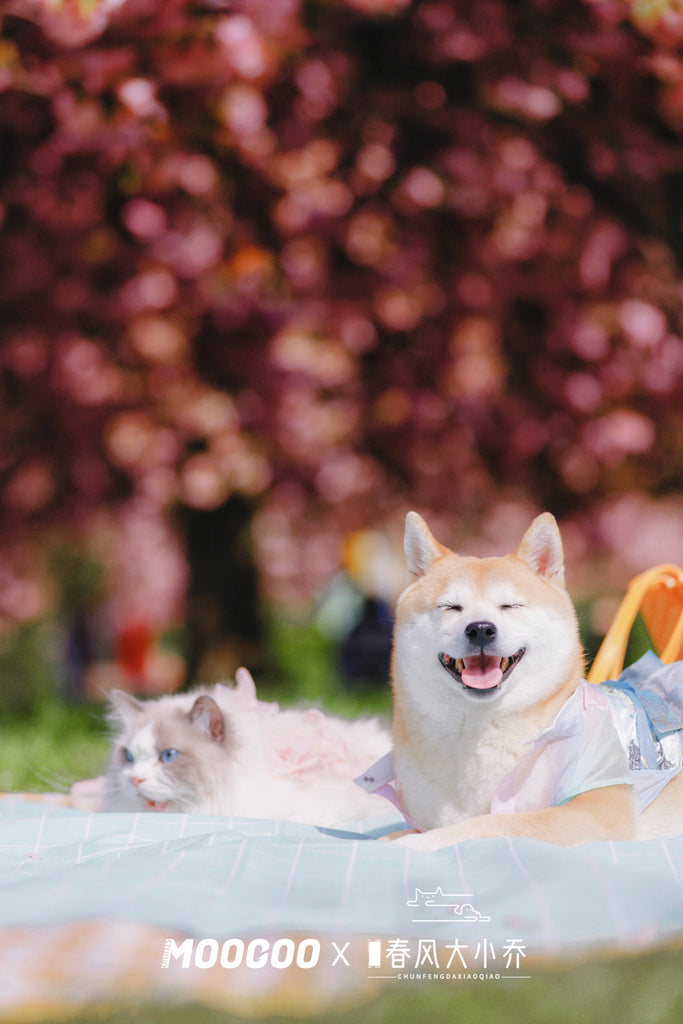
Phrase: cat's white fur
(239, 756)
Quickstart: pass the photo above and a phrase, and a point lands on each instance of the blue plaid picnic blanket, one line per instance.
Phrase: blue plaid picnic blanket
(222, 877)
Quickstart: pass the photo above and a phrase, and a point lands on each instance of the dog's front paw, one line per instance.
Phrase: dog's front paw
(392, 837)
(438, 838)
(414, 840)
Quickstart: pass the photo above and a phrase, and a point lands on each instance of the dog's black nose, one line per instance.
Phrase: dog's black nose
(480, 633)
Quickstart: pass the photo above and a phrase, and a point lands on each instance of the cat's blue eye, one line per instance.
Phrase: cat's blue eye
(127, 755)
(167, 755)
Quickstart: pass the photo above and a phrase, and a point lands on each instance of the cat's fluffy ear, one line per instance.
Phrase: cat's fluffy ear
(208, 718)
(245, 684)
(124, 706)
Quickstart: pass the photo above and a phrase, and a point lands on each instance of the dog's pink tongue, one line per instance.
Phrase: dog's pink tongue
(482, 672)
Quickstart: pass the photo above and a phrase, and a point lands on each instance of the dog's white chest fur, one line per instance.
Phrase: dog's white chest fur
(461, 776)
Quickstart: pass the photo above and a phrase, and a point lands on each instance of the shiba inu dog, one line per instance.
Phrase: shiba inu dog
(495, 731)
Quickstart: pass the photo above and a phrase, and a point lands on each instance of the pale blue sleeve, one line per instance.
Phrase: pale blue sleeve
(580, 751)
(596, 758)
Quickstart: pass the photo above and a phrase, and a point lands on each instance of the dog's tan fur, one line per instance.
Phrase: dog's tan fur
(452, 744)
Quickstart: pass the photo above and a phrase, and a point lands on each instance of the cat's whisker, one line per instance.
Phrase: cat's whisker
(56, 783)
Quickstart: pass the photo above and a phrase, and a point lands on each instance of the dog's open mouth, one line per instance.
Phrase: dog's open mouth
(482, 673)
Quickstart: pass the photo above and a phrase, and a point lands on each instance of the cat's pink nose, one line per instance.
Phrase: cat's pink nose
(135, 780)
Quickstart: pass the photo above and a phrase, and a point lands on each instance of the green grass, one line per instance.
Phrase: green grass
(52, 748)
(47, 744)
(52, 745)
(646, 989)
(303, 669)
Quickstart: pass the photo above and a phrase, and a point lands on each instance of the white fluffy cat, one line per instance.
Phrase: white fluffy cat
(222, 751)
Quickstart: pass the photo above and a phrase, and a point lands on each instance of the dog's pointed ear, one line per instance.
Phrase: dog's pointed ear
(541, 549)
(421, 548)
